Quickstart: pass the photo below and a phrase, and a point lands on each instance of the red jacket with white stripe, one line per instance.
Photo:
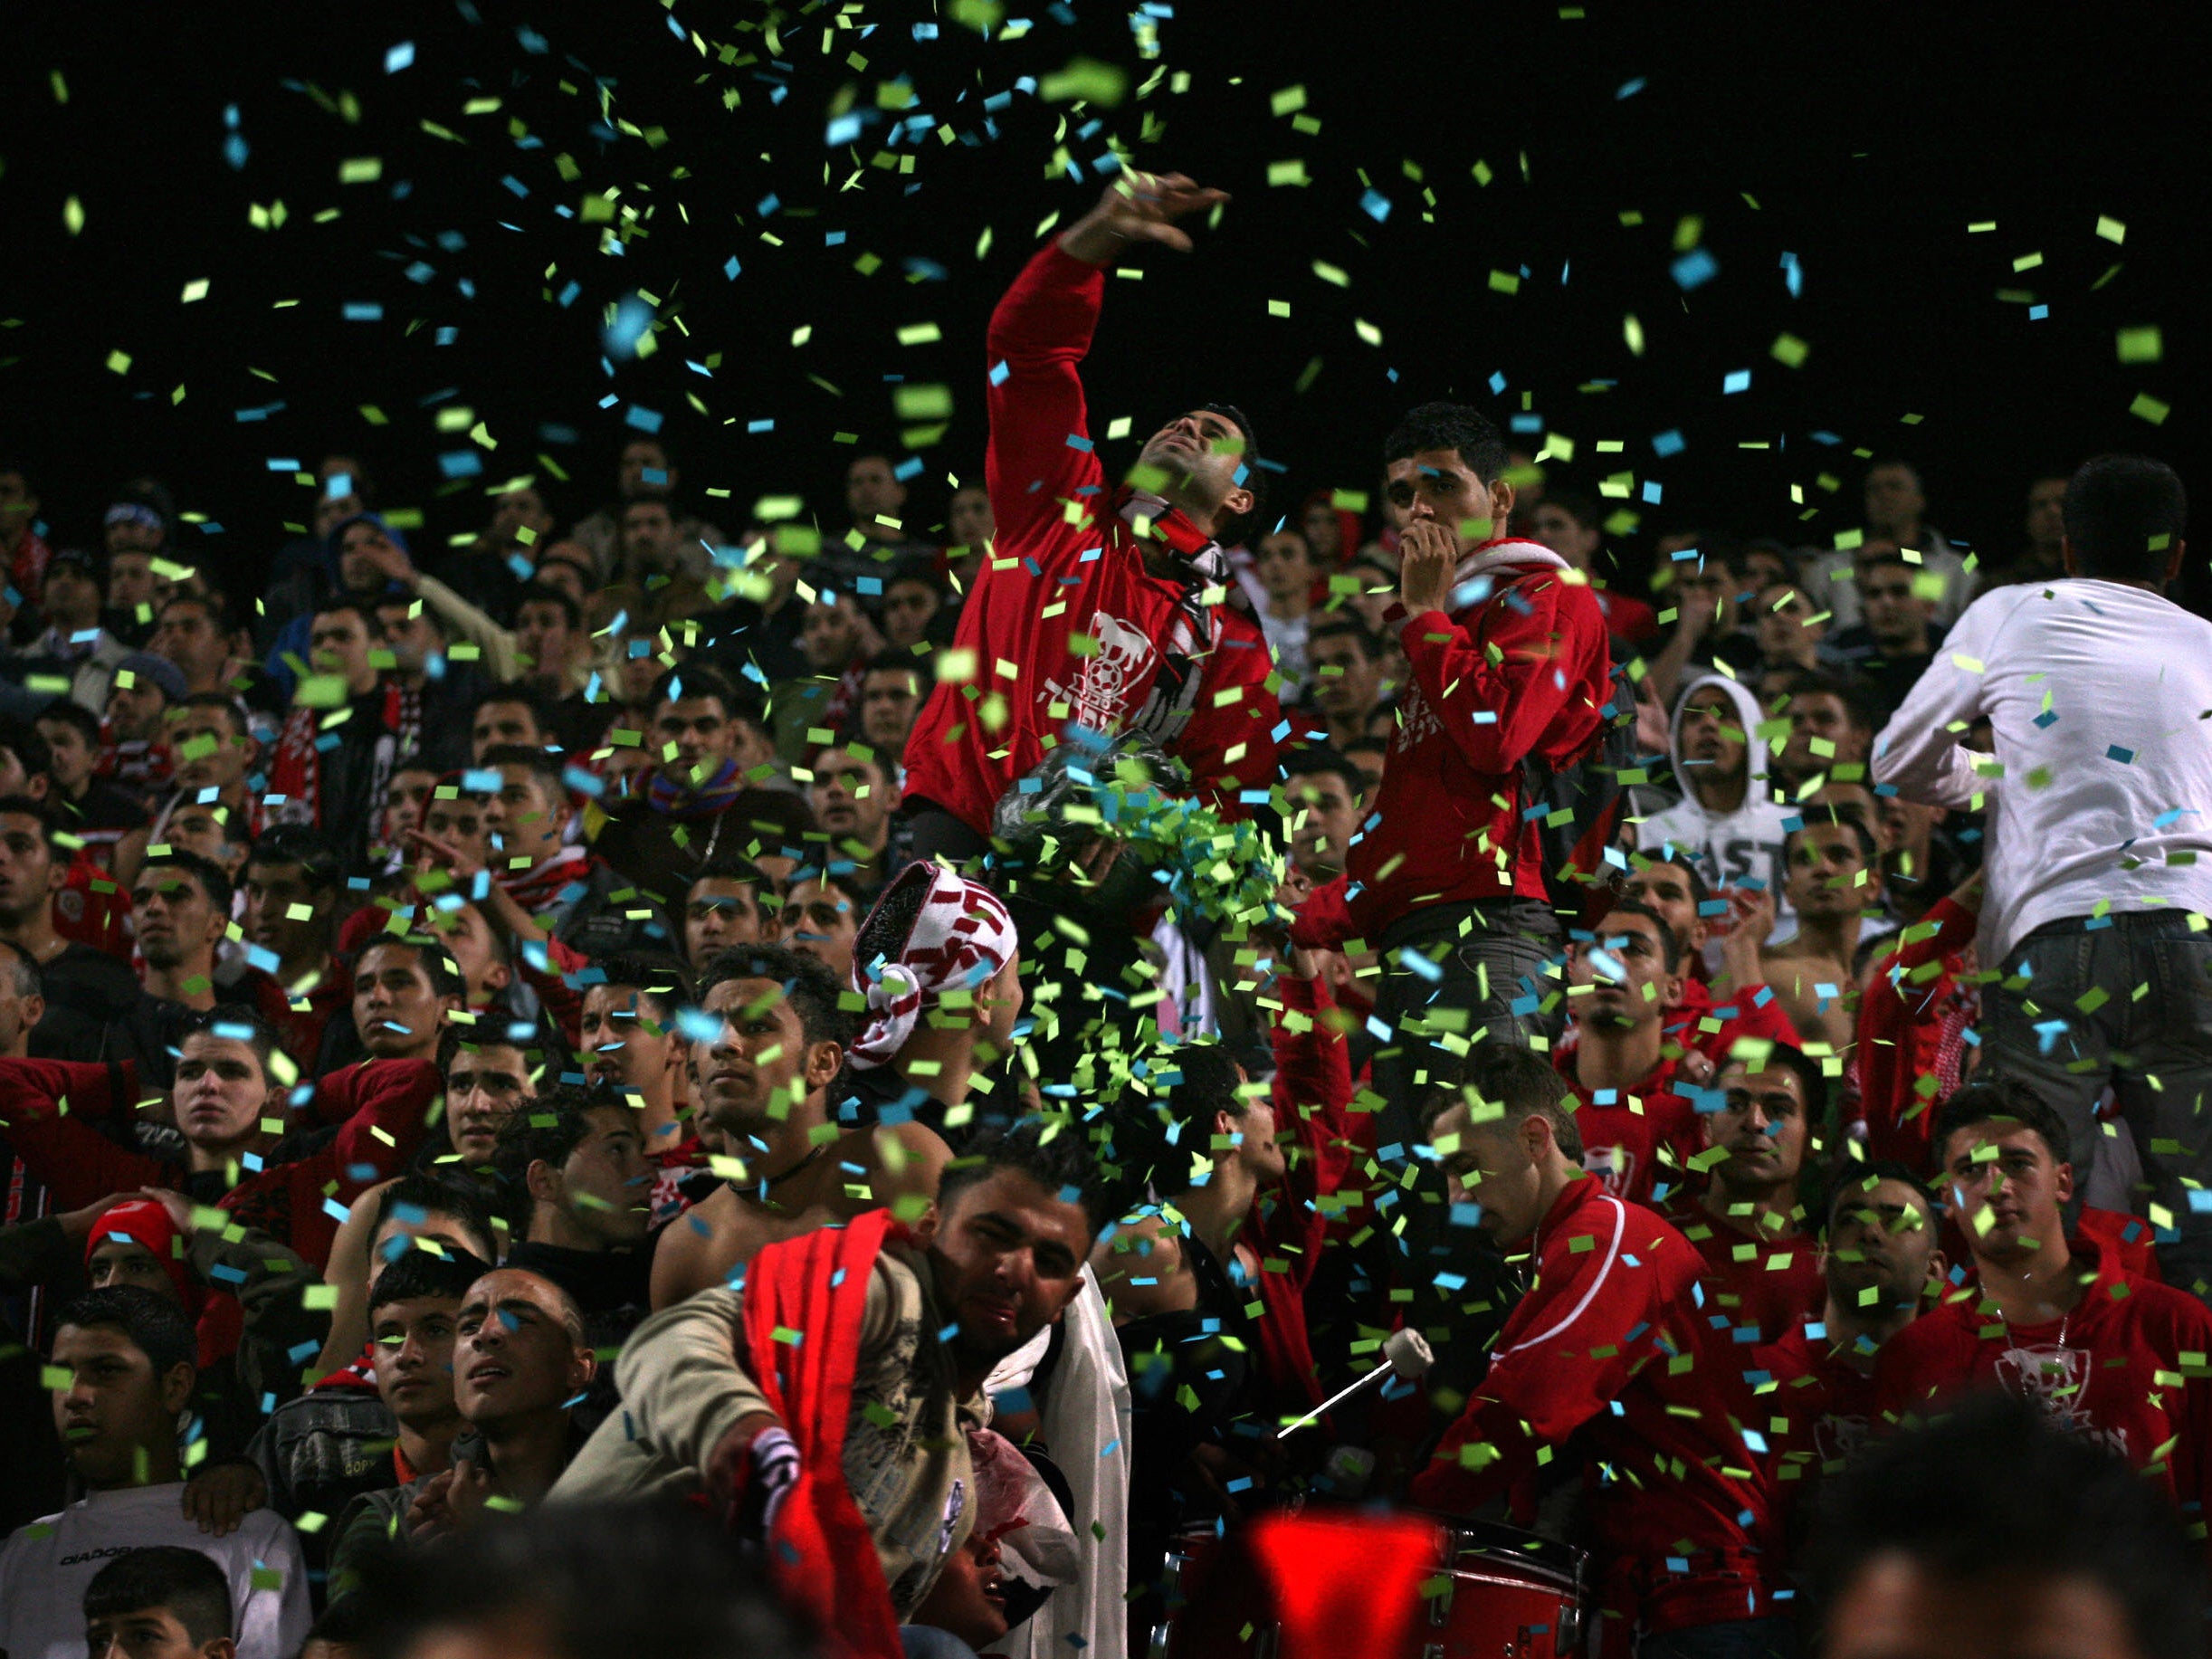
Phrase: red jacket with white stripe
(1065, 565)
(1611, 1342)
(1523, 670)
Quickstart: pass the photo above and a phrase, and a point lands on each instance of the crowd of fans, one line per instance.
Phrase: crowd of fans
(684, 1005)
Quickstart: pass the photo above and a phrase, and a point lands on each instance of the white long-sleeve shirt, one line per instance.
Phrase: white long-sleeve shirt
(45, 1568)
(2099, 697)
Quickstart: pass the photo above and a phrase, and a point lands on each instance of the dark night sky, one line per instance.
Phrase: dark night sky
(1868, 136)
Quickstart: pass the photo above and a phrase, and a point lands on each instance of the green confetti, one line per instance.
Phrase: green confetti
(2140, 346)
(2149, 408)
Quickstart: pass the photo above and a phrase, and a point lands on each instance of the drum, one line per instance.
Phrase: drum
(1325, 1584)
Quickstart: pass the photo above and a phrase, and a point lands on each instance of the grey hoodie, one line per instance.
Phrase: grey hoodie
(1728, 848)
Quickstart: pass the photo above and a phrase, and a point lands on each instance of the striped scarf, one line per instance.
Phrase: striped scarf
(1203, 571)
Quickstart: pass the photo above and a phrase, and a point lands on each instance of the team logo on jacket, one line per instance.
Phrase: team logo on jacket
(1417, 720)
(1837, 1438)
(2057, 1378)
(1102, 690)
(1611, 1165)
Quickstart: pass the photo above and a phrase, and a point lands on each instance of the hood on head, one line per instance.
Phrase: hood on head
(1749, 716)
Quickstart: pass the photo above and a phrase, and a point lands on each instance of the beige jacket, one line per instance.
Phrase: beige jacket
(906, 1458)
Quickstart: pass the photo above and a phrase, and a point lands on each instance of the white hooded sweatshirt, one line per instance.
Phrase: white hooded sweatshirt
(1733, 848)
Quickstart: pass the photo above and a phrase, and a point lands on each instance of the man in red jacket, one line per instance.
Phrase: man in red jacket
(1509, 662)
(1609, 1343)
(1103, 607)
(2107, 1354)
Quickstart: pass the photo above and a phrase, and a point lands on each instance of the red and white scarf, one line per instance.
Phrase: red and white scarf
(961, 939)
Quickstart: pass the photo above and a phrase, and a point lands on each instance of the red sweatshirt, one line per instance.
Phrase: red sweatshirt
(2130, 1373)
(1064, 622)
(1611, 1341)
(1696, 1022)
(1633, 1138)
(1913, 1015)
(1818, 1414)
(1291, 1225)
(382, 1106)
(1764, 1284)
(1521, 672)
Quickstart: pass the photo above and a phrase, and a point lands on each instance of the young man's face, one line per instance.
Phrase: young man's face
(395, 1007)
(1821, 719)
(73, 759)
(829, 637)
(889, 700)
(644, 467)
(716, 915)
(211, 751)
(187, 636)
(1566, 535)
(116, 1261)
(871, 488)
(1895, 615)
(1828, 871)
(822, 921)
(272, 892)
(969, 1596)
(700, 730)
(1491, 1167)
(1282, 565)
(409, 630)
(178, 926)
(115, 1404)
(484, 1087)
(147, 1633)
(1626, 968)
(1008, 1256)
(461, 821)
(403, 803)
(527, 824)
(135, 712)
(130, 569)
(607, 1182)
(412, 1355)
(1763, 1125)
(909, 609)
(497, 724)
(220, 1091)
(1202, 454)
(357, 551)
(851, 797)
(516, 511)
(1324, 814)
(628, 1043)
(1783, 622)
(649, 535)
(758, 1060)
(28, 872)
(1665, 888)
(1714, 744)
(2046, 516)
(2000, 1173)
(1347, 682)
(1881, 1239)
(1438, 485)
(543, 635)
(967, 519)
(1893, 501)
(71, 599)
(514, 1356)
(338, 644)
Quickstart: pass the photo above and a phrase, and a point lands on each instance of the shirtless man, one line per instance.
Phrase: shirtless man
(1835, 877)
(762, 1079)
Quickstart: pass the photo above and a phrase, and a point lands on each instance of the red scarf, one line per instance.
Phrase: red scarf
(538, 889)
(821, 1555)
(295, 770)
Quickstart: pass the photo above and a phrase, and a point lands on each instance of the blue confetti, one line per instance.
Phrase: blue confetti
(1694, 270)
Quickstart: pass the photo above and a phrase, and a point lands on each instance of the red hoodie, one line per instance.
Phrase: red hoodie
(1767, 1284)
(1611, 1341)
(1913, 1019)
(1632, 1138)
(2126, 1368)
(1523, 670)
(382, 1105)
(1064, 622)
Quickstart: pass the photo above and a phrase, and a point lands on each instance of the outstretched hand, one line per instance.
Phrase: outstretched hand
(1138, 207)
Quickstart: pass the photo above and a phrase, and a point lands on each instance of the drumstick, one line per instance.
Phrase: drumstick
(1405, 1354)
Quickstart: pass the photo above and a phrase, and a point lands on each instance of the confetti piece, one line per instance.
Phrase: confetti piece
(2140, 346)
(2149, 408)
(2110, 229)
(360, 170)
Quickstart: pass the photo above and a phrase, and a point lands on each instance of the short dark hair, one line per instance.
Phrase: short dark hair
(23, 968)
(660, 979)
(1998, 1099)
(696, 680)
(1503, 1074)
(362, 604)
(546, 593)
(319, 861)
(1454, 426)
(155, 1326)
(1670, 947)
(1700, 893)
(1854, 1178)
(234, 1023)
(893, 661)
(812, 988)
(548, 765)
(68, 711)
(549, 1127)
(1231, 531)
(1582, 509)
(215, 882)
(2124, 516)
(436, 958)
(539, 705)
(1051, 1150)
(1790, 1058)
(424, 1272)
(1813, 683)
(27, 743)
(23, 806)
(728, 867)
(1158, 1136)
(185, 1583)
(222, 700)
(1318, 759)
(211, 600)
(1342, 626)
(1818, 817)
(435, 1195)
(1994, 1491)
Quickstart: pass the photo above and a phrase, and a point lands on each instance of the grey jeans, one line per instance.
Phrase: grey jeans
(2123, 1000)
